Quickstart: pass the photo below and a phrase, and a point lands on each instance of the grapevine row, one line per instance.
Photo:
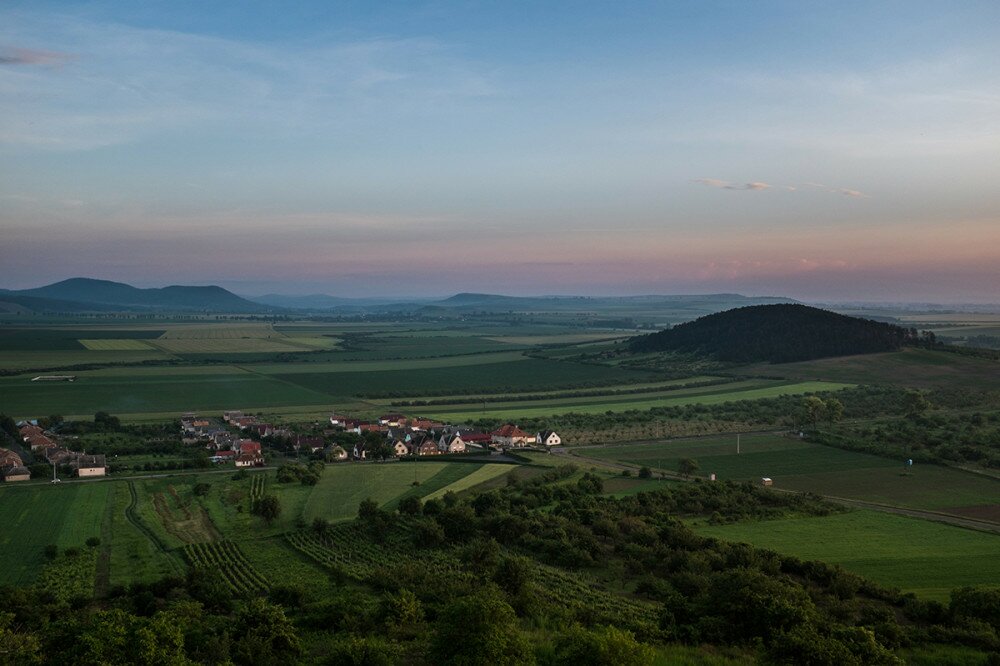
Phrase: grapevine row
(226, 558)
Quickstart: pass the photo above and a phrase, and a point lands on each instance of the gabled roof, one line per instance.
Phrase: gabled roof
(509, 430)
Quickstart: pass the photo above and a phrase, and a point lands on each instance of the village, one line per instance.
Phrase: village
(241, 439)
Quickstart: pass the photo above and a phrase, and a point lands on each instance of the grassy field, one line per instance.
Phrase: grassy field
(121, 344)
(143, 524)
(914, 555)
(150, 392)
(749, 390)
(35, 517)
(921, 368)
(802, 466)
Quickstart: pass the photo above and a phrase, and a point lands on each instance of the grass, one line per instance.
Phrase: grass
(914, 555)
(524, 374)
(481, 475)
(920, 368)
(803, 466)
(342, 488)
(122, 344)
(150, 392)
(39, 515)
(710, 395)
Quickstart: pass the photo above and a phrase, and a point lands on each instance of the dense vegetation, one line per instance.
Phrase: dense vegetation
(777, 334)
(542, 571)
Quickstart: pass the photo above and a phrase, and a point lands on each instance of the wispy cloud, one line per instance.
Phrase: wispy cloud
(21, 56)
(759, 186)
(756, 186)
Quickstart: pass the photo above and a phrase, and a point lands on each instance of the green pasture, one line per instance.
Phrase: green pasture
(24, 361)
(803, 466)
(711, 395)
(913, 555)
(524, 374)
(150, 392)
(65, 515)
(921, 368)
(65, 339)
(381, 365)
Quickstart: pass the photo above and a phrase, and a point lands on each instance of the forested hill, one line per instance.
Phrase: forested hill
(775, 333)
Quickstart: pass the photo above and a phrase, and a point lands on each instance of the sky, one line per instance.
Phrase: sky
(822, 151)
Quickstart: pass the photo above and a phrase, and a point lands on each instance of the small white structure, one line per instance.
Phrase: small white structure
(767, 482)
(549, 438)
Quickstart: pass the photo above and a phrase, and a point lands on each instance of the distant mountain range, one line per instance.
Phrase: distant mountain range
(78, 295)
(89, 295)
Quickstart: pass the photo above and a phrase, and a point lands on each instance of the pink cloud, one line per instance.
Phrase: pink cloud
(19, 56)
(726, 185)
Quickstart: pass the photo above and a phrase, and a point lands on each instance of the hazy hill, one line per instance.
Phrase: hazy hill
(86, 294)
(775, 333)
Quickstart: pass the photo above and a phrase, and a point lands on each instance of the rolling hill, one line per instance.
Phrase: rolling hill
(90, 295)
(779, 333)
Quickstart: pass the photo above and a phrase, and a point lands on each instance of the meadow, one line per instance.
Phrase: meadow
(913, 555)
(798, 465)
(145, 524)
(920, 368)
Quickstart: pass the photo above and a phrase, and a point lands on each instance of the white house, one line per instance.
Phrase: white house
(451, 444)
(549, 438)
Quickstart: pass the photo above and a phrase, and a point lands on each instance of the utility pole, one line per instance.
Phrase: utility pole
(737, 443)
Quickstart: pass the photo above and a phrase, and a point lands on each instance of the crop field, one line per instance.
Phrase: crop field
(65, 339)
(526, 374)
(226, 559)
(711, 395)
(342, 489)
(120, 344)
(54, 360)
(220, 332)
(149, 392)
(914, 555)
(781, 458)
(228, 345)
(803, 466)
(34, 517)
(481, 475)
(921, 368)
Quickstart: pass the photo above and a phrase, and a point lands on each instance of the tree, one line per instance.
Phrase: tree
(814, 409)
(8, 426)
(201, 489)
(603, 646)
(93, 542)
(268, 508)
(687, 466)
(17, 647)
(410, 506)
(645, 473)
(268, 636)
(479, 630)
(915, 403)
(834, 410)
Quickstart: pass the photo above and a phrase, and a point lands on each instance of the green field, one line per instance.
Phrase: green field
(913, 555)
(706, 395)
(143, 524)
(802, 466)
(34, 517)
(921, 368)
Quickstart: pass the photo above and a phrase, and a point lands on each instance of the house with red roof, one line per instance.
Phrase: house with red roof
(510, 436)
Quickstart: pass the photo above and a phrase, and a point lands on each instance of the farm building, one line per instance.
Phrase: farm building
(766, 481)
(510, 436)
(549, 438)
(87, 466)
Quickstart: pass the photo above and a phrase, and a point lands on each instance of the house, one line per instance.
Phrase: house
(223, 456)
(263, 429)
(371, 427)
(359, 452)
(400, 448)
(311, 444)
(9, 459)
(249, 460)
(56, 455)
(424, 446)
(451, 444)
(767, 482)
(243, 422)
(548, 438)
(15, 473)
(39, 442)
(248, 447)
(476, 439)
(392, 420)
(86, 465)
(510, 436)
(29, 430)
(229, 416)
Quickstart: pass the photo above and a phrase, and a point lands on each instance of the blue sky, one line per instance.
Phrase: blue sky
(816, 150)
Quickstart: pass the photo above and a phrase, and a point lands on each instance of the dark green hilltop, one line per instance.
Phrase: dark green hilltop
(778, 333)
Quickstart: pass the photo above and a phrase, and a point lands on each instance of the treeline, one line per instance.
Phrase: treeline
(776, 334)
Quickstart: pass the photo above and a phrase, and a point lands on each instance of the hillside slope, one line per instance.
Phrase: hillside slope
(90, 294)
(776, 334)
